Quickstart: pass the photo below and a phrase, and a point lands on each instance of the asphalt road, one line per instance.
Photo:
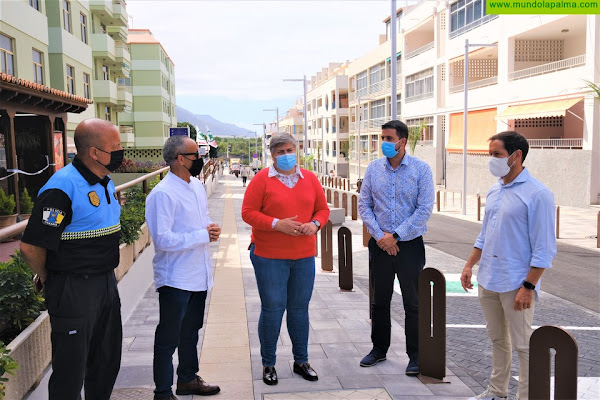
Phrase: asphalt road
(575, 275)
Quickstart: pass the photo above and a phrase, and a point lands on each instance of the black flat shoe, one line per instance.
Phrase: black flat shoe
(306, 371)
(270, 375)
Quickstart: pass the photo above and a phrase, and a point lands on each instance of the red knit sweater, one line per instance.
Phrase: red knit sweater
(267, 198)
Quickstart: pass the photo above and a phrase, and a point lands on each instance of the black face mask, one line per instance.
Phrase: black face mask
(196, 167)
(116, 159)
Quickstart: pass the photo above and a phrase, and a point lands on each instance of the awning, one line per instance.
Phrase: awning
(557, 108)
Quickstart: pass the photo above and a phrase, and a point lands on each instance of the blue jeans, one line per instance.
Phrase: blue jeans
(283, 285)
(181, 317)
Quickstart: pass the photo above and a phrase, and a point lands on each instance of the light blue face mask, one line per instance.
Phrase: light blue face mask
(286, 162)
(389, 149)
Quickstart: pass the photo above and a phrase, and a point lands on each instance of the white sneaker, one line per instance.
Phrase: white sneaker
(488, 395)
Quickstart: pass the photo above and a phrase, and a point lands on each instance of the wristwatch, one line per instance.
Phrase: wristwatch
(317, 223)
(528, 285)
(396, 236)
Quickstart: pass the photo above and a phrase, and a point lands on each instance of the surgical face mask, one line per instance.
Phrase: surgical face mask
(499, 166)
(116, 159)
(196, 167)
(389, 149)
(286, 162)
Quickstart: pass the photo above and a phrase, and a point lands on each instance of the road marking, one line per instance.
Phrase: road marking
(568, 328)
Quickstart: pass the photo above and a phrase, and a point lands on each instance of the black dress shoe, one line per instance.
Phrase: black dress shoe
(306, 371)
(270, 375)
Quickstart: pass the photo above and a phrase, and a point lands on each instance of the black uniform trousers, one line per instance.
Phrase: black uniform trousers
(85, 315)
(407, 265)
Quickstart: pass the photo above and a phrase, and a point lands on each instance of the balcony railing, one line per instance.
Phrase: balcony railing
(420, 50)
(548, 68)
(475, 84)
(555, 143)
(419, 97)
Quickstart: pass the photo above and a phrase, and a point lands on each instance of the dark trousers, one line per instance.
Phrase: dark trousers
(181, 317)
(85, 315)
(407, 266)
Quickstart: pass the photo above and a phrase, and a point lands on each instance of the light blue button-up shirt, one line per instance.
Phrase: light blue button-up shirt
(397, 200)
(517, 233)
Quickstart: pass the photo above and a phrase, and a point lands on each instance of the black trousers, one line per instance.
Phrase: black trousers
(85, 315)
(407, 266)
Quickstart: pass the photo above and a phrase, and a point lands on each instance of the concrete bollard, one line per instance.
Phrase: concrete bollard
(354, 207)
(565, 363)
(326, 249)
(432, 332)
(345, 259)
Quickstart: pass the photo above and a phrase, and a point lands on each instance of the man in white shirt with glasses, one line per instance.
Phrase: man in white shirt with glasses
(177, 216)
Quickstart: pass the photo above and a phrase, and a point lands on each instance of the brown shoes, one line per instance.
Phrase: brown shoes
(171, 397)
(197, 386)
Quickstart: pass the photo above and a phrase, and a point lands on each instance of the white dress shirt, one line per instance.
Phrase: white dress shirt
(177, 216)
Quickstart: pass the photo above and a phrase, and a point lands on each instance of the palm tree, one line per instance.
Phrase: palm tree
(595, 88)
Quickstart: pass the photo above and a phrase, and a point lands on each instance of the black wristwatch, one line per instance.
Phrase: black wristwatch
(317, 223)
(396, 236)
(528, 285)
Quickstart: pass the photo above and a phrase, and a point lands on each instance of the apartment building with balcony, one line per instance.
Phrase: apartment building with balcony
(34, 105)
(328, 119)
(528, 74)
(111, 63)
(153, 90)
(70, 58)
(369, 94)
(293, 123)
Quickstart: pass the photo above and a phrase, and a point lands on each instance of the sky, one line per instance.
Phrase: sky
(231, 56)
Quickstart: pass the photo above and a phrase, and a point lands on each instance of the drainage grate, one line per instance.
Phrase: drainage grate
(132, 394)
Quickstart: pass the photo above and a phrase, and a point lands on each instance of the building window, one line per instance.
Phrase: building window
(7, 55)
(107, 113)
(86, 86)
(35, 4)
(38, 70)
(419, 85)
(66, 12)
(378, 109)
(83, 20)
(70, 82)
(105, 74)
(426, 123)
(467, 14)
(377, 73)
(102, 28)
(361, 82)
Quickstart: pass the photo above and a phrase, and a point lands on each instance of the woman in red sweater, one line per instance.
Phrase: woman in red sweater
(286, 206)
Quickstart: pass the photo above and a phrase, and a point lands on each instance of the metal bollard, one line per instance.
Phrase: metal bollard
(345, 258)
(565, 363)
(354, 207)
(478, 207)
(326, 249)
(437, 200)
(336, 199)
(145, 186)
(366, 236)
(557, 221)
(432, 333)
(345, 203)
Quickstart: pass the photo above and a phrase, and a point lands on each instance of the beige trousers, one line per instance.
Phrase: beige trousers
(508, 330)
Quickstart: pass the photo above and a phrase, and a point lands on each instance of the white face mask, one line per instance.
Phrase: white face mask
(499, 166)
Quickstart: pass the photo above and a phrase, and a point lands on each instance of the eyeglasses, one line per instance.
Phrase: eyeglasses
(191, 154)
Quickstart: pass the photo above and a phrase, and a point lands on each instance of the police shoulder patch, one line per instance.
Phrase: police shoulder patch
(52, 216)
(94, 199)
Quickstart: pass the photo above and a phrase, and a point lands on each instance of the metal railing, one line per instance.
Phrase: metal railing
(493, 80)
(576, 143)
(419, 97)
(548, 68)
(420, 50)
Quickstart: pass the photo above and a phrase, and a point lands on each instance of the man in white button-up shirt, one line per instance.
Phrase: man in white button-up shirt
(177, 215)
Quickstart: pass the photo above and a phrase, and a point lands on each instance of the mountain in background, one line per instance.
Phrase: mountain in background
(217, 128)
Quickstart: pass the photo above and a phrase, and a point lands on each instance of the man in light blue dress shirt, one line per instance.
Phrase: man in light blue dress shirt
(181, 229)
(515, 246)
(395, 203)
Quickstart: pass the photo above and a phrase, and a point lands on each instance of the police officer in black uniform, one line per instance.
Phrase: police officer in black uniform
(72, 243)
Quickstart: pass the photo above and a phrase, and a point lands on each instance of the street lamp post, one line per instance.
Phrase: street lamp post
(358, 100)
(303, 80)
(465, 118)
(264, 161)
(276, 109)
(393, 62)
